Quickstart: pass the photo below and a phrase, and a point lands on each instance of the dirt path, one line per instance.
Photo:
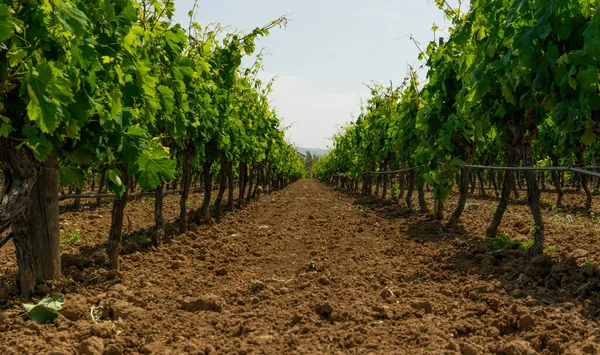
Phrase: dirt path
(312, 270)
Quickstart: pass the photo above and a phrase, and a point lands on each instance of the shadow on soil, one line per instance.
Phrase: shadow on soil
(555, 279)
(87, 265)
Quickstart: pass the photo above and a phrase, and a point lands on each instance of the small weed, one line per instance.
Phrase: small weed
(551, 249)
(526, 245)
(502, 241)
(199, 266)
(587, 262)
(546, 201)
(256, 286)
(360, 208)
(71, 239)
(505, 240)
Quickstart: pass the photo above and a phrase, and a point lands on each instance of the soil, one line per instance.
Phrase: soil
(310, 269)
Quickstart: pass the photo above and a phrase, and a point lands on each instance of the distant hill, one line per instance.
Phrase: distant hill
(314, 151)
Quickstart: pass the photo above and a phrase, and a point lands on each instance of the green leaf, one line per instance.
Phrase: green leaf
(455, 162)
(113, 176)
(41, 108)
(589, 137)
(563, 59)
(5, 129)
(15, 57)
(152, 166)
(588, 80)
(168, 98)
(82, 156)
(116, 110)
(6, 23)
(69, 175)
(507, 93)
(115, 184)
(37, 142)
(572, 83)
(134, 141)
(72, 19)
(46, 310)
(45, 113)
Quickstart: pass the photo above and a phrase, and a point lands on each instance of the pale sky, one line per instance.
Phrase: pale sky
(328, 52)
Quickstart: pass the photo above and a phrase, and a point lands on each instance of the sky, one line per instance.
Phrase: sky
(328, 53)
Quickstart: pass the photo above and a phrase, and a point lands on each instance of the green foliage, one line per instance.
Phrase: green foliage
(121, 86)
(46, 310)
(505, 240)
(502, 242)
(510, 78)
(71, 239)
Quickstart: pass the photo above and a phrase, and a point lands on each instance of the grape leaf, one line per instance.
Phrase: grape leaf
(46, 310)
(168, 98)
(152, 166)
(134, 141)
(6, 23)
(69, 175)
(37, 142)
(73, 19)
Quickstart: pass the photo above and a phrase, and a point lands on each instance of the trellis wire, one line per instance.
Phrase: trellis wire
(506, 168)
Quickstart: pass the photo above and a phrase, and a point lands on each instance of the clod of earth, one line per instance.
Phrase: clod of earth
(208, 302)
(324, 310)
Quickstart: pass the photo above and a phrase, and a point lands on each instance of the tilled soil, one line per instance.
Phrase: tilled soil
(313, 270)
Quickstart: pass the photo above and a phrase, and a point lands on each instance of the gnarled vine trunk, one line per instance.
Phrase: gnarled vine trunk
(101, 186)
(462, 199)
(422, 202)
(468, 151)
(409, 195)
(507, 186)
(186, 182)
(115, 238)
(438, 209)
(203, 213)
(222, 187)
(533, 192)
(230, 187)
(385, 181)
(77, 200)
(250, 183)
(480, 178)
(556, 181)
(243, 182)
(36, 231)
(584, 180)
(20, 175)
(159, 222)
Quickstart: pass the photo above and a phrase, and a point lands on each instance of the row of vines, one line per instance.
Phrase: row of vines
(118, 89)
(515, 84)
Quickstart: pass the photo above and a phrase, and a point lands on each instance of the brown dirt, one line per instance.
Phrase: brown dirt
(314, 270)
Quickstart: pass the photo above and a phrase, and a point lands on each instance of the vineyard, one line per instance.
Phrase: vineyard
(152, 204)
(115, 89)
(513, 89)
